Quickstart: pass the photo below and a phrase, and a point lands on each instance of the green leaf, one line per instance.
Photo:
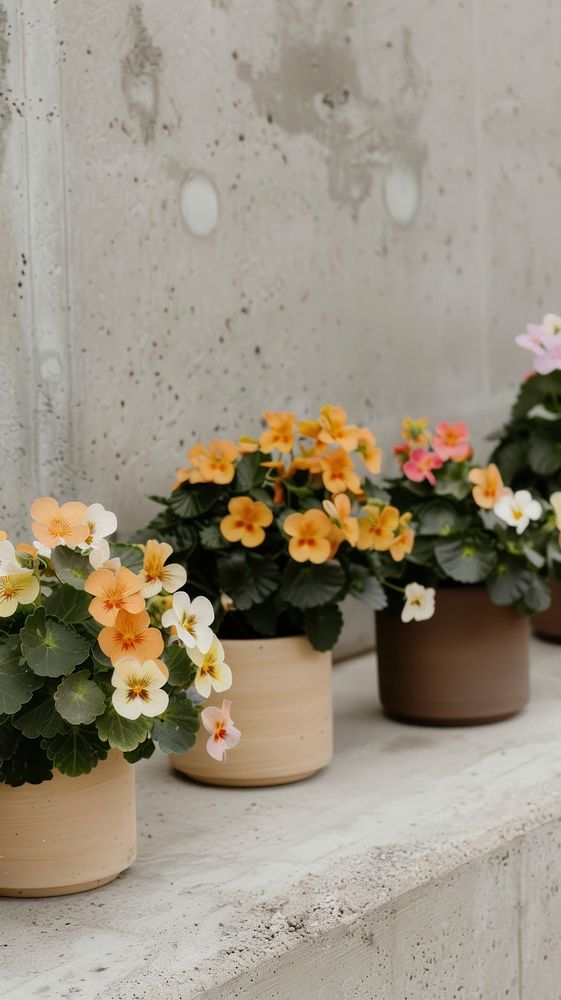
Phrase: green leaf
(68, 604)
(438, 518)
(305, 585)
(131, 556)
(123, 734)
(248, 578)
(544, 454)
(51, 648)
(182, 670)
(465, 562)
(192, 500)
(538, 389)
(511, 459)
(78, 699)
(71, 567)
(143, 751)
(538, 596)
(250, 473)
(423, 550)
(367, 588)
(323, 626)
(176, 729)
(9, 738)
(212, 538)
(509, 582)
(17, 681)
(101, 661)
(453, 481)
(76, 751)
(40, 717)
(28, 766)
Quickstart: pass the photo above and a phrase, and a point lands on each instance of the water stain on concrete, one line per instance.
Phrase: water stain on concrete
(315, 88)
(5, 109)
(140, 75)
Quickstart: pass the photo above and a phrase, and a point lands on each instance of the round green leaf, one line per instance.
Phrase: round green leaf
(464, 562)
(17, 681)
(71, 567)
(305, 585)
(176, 729)
(78, 699)
(323, 626)
(509, 582)
(68, 604)
(76, 751)
(248, 578)
(40, 717)
(123, 734)
(51, 648)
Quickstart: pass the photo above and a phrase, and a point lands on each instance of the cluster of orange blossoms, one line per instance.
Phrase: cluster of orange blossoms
(315, 535)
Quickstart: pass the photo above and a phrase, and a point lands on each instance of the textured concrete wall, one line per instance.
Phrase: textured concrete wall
(212, 207)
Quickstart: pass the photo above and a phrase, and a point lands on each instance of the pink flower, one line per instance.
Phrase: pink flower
(451, 441)
(223, 733)
(420, 465)
(533, 339)
(550, 359)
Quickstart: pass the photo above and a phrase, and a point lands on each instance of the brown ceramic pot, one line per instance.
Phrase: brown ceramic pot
(281, 702)
(68, 834)
(547, 625)
(468, 664)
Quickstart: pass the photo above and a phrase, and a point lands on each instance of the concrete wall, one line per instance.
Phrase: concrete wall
(208, 208)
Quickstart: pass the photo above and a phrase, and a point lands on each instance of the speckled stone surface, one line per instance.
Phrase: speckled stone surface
(423, 864)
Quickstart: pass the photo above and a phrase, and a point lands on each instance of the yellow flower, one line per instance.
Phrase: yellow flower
(155, 576)
(246, 521)
(377, 527)
(212, 671)
(215, 463)
(339, 510)
(368, 450)
(403, 540)
(334, 428)
(488, 488)
(309, 536)
(17, 588)
(280, 433)
(414, 432)
(339, 474)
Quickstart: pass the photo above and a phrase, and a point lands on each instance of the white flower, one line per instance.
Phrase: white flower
(42, 550)
(212, 671)
(100, 523)
(551, 323)
(518, 509)
(555, 501)
(21, 587)
(155, 575)
(191, 620)
(8, 560)
(138, 688)
(419, 603)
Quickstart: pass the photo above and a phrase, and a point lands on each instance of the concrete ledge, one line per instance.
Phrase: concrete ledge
(423, 864)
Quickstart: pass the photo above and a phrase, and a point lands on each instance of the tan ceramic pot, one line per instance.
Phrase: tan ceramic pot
(281, 702)
(68, 834)
(547, 625)
(468, 664)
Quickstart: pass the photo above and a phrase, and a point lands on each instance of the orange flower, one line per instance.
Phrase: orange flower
(54, 525)
(113, 592)
(334, 428)
(3, 536)
(215, 464)
(187, 475)
(131, 635)
(280, 433)
(377, 527)
(369, 452)
(489, 486)
(339, 510)
(339, 473)
(26, 550)
(309, 536)
(310, 428)
(403, 540)
(414, 432)
(246, 521)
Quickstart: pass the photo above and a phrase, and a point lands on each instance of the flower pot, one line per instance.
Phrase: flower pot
(68, 834)
(468, 664)
(547, 625)
(281, 702)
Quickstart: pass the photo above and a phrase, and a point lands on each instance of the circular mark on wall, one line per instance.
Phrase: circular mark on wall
(199, 205)
(401, 193)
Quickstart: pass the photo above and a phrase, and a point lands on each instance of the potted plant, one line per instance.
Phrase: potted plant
(276, 531)
(528, 451)
(87, 687)
(476, 571)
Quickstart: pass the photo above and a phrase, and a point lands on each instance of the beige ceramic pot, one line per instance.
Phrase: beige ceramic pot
(281, 702)
(547, 625)
(68, 834)
(468, 664)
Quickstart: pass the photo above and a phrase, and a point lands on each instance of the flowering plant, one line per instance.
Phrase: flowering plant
(528, 452)
(277, 530)
(470, 528)
(84, 664)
